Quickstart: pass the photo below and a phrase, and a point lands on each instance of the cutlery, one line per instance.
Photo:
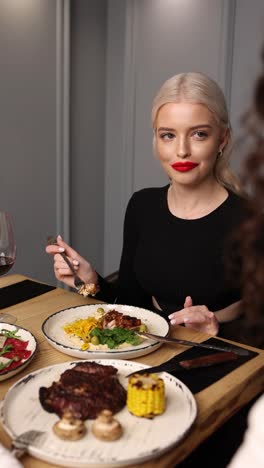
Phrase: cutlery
(20, 444)
(78, 283)
(195, 363)
(229, 349)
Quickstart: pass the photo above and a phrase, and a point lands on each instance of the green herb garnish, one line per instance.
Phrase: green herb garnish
(10, 334)
(113, 337)
(6, 349)
(2, 365)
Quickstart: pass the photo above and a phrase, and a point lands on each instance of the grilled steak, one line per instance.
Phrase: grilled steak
(113, 318)
(85, 390)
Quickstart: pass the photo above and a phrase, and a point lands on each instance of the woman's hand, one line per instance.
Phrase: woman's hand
(197, 317)
(61, 269)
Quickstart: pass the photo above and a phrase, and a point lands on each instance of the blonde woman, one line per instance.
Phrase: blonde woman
(175, 236)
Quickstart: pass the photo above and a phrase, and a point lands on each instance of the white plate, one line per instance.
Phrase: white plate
(143, 439)
(52, 329)
(32, 346)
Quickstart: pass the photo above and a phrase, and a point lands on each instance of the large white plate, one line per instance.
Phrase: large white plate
(52, 329)
(143, 439)
(32, 346)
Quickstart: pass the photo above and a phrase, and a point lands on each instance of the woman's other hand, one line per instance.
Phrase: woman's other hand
(61, 269)
(198, 317)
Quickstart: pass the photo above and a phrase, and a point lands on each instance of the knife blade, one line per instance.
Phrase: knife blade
(228, 349)
(185, 365)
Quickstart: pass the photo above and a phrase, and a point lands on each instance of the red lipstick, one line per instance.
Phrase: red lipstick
(184, 166)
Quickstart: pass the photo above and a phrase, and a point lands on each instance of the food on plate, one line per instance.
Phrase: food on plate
(88, 289)
(113, 318)
(106, 427)
(69, 428)
(114, 337)
(81, 329)
(105, 329)
(85, 390)
(13, 350)
(146, 395)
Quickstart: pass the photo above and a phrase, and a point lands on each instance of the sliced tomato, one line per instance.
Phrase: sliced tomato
(17, 344)
(22, 354)
(13, 365)
(18, 352)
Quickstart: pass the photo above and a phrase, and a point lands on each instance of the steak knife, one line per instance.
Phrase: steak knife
(202, 361)
(163, 339)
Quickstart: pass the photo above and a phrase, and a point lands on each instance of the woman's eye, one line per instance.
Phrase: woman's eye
(201, 134)
(166, 136)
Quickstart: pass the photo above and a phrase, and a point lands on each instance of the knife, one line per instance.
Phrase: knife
(228, 349)
(202, 361)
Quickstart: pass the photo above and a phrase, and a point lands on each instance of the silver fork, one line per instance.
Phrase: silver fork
(20, 444)
(78, 283)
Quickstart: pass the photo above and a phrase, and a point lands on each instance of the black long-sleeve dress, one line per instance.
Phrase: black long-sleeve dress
(170, 258)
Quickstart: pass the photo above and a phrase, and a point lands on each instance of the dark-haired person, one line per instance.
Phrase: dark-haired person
(251, 236)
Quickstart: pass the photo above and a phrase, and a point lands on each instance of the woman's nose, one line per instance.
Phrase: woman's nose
(182, 150)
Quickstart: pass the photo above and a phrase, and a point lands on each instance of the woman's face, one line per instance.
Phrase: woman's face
(187, 140)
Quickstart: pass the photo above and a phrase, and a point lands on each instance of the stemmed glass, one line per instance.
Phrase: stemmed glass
(7, 253)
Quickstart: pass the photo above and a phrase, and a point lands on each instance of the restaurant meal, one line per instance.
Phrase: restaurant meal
(92, 391)
(85, 390)
(13, 350)
(105, 330)
(146, 395)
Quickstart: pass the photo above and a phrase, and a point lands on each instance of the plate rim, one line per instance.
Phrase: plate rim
(28, 360)
(98, 351)
(38, 453)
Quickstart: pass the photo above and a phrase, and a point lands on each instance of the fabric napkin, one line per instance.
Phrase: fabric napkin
(7, 459)
(23, 291)
(200, 378)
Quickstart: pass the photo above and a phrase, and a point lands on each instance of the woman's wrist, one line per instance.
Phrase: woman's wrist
(229, 313)
(91, 285)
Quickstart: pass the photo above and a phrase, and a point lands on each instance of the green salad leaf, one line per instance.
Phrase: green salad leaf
(113, 337)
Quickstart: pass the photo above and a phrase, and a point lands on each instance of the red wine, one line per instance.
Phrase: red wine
(5, 264)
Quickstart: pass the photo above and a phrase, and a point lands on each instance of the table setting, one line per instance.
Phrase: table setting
(192, 395)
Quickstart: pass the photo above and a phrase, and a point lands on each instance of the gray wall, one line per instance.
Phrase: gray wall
(32, 184)
(248, 44)
(28, 127)
(87, 129)
(120, 53)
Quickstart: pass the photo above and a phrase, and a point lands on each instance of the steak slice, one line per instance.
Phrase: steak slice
(94, 368)
(85, 390)
(113, 318)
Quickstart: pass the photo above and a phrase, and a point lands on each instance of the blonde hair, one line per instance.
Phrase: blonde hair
(198, 88)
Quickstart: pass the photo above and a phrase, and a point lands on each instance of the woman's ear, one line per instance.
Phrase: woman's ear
(224, 139)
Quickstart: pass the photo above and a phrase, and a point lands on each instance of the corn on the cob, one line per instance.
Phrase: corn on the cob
(146, 395)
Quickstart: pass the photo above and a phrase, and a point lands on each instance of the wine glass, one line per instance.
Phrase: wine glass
(7, 253)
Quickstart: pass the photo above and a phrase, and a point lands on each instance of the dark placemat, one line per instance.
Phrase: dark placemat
(20, 292)
(200, 378)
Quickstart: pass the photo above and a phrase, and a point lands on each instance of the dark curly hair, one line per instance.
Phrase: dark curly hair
(249, 254)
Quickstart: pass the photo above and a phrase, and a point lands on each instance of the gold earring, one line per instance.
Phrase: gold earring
(220, 153)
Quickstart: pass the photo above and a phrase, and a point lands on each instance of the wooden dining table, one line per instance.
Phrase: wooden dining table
(216, 403)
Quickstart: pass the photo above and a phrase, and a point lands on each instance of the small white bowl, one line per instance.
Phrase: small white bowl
(32, 346)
